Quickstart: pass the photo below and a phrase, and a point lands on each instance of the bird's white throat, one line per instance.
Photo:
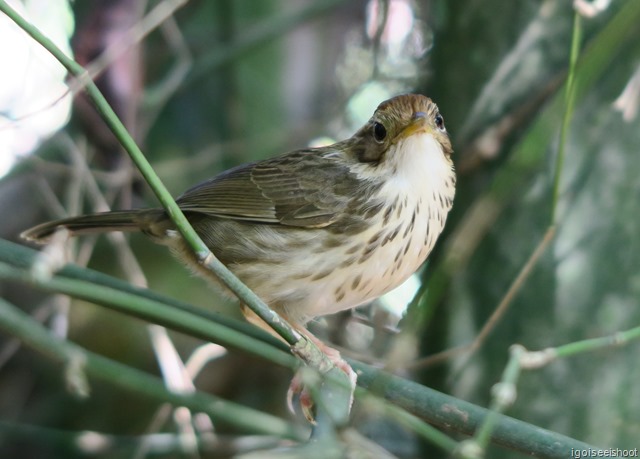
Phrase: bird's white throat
(419, 193)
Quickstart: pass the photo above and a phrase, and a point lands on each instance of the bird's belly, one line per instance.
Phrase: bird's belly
(370, 264)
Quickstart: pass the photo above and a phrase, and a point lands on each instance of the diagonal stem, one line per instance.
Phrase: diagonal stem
(203, 254)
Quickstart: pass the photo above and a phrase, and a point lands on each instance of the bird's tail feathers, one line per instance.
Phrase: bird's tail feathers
(126, 220)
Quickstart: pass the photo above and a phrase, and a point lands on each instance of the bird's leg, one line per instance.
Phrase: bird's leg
(332, 354)
(328, 358)
(323, 362)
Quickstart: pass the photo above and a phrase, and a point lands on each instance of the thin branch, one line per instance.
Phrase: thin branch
(592, 63)
(32, 334)
(429, 405)
(498, 313)
(570, 99)
(202, 252)
(15, 265)
(538, 359)
(457, 415)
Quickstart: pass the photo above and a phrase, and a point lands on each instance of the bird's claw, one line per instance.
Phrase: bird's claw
(299, 388)
(306, 379)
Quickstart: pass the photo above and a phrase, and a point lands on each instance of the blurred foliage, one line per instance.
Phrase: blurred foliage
(252, 89)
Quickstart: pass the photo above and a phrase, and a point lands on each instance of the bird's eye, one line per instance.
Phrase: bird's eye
(439, 122)
(379, 132)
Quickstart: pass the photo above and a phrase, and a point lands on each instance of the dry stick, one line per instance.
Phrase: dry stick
(300, 345)
(201, 251)
(497, 314)
(154, 19)
(172, 368)
(526, 270)
(504, 393)
(570, 96)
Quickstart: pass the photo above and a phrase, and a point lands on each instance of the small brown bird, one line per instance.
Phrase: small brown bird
(318, 230)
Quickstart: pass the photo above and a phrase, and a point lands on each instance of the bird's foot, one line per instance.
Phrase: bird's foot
(306, 381)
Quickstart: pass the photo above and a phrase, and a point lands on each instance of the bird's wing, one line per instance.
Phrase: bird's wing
(302, 189)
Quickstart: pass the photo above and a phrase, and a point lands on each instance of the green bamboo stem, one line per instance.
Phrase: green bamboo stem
(425, 404)
(313, 355)
(202, 252)
(504, 394)
(407, 419)
(570, 99)
(34, 335)
(537, 359)
(15, 262)
(457, 415)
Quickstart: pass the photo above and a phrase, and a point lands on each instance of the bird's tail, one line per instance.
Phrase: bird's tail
(125, 220)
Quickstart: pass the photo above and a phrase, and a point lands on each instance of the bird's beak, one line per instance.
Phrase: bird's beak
(418, 124)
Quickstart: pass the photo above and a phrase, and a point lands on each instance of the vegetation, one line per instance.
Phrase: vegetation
(540, 100)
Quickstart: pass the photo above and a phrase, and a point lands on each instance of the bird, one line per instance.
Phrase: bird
(318, 230)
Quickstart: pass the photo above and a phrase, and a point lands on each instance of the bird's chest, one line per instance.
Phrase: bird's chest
(349, 265)
(394, 246)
